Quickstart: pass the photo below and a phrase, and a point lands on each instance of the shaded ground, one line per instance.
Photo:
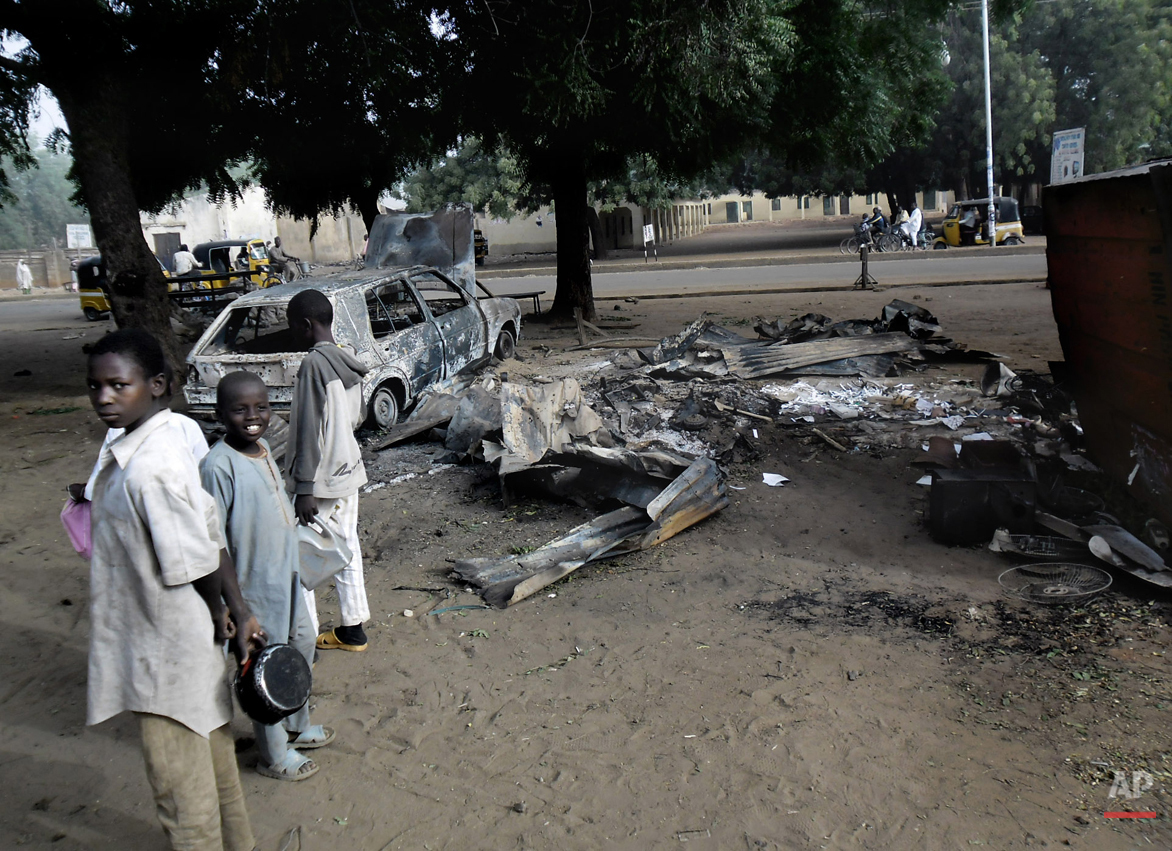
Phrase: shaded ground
(806, 669)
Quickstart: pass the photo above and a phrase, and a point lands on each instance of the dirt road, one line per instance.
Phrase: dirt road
(805, 670)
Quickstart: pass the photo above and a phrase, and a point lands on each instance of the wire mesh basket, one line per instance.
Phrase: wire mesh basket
(1055, 584)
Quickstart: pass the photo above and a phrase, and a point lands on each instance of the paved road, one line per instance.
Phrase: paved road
(937, 267)
(44, 314)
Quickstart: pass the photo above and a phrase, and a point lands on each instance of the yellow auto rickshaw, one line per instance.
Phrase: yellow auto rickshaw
(232, 255)
(91, 287)
(966, 223)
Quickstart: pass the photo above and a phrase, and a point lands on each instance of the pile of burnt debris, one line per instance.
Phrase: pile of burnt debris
(904, 336)
(546, 441)
(653, 430)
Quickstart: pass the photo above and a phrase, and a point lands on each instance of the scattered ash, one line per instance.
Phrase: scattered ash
(856, 611)
(1110, 621)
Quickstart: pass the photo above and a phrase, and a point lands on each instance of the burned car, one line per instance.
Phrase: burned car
(412, 327)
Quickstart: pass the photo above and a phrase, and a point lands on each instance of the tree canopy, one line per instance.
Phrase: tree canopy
(346, 100)
(1101, 64)
(584, 87)
(149, 116)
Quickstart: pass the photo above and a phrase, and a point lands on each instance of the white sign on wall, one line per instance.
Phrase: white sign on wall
(79, 236)
(648, 234)
(1066, 155)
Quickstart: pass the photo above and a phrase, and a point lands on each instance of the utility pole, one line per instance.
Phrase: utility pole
(991, 213)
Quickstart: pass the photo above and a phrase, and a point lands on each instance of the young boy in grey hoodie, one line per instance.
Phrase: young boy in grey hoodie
(323, 463)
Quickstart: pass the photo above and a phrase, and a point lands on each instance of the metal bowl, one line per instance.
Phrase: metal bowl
(1054, 584)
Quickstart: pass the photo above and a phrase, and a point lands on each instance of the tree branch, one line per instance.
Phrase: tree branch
(22, 69)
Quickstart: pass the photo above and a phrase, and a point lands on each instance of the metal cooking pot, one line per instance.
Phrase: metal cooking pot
(273, 684)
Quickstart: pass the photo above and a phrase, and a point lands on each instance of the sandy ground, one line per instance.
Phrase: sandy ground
(805, 670)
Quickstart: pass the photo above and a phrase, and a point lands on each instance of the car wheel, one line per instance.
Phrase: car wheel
(384, 407)
(506, 345)
(939, 245)
(1014, 240)
(92, 314)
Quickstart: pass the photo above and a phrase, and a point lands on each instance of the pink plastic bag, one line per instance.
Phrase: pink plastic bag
(75, 517)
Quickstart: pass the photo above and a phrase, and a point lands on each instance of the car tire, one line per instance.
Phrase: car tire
(384, 407)
(1014, 240)
(92, 314)
(506, 345)
(939, 246)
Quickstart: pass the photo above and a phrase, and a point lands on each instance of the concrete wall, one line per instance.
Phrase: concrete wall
(757, 207)
(338, 240)
(49, 266)
(535, 234)
(196, 220)
(621, 228)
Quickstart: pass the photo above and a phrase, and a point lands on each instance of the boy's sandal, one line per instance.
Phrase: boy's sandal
(292, 773)
(298, 740)
(330, 641)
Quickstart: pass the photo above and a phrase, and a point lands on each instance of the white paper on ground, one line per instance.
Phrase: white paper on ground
(774, 480)
(924, 480)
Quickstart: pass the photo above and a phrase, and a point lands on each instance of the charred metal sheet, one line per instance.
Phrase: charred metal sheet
(436, 406)
(763, 360)
(1109, 255)
(537, 420)
(672, 348)
(1129, 546)
(477, 415)
(696, 493)
(508, 580)
(442, 239)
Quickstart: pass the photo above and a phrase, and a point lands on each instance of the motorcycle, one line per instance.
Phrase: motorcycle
(897, 239)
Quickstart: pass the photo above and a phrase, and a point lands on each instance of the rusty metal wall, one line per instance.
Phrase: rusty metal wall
(1110, 269)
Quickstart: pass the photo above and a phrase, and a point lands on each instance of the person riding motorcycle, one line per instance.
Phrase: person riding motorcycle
(914, 224)
(876, 221)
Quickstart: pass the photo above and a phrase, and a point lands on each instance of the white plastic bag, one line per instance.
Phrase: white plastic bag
(323, 554)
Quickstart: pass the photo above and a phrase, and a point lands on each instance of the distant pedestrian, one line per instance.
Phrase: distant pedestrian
(24, 277)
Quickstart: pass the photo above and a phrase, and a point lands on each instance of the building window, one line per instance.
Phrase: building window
(844, 205)
(747, 206)
(828, 206)
(930, 201)
(870, 199)
(775, 205)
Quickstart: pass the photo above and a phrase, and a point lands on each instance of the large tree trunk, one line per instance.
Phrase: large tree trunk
(574, 289)
(596, 237)
(98, 114)
(367, 204)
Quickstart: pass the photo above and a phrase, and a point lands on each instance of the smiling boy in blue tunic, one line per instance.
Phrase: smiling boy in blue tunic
(260, 529)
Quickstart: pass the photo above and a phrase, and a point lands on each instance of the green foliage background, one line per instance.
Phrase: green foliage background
(41, 202)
